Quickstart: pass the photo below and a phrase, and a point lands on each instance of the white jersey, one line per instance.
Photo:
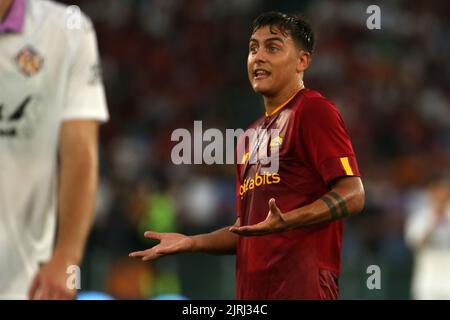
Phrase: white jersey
(49, 73)
(431, 279)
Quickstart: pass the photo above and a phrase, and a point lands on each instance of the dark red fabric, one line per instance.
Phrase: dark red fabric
(287, 265)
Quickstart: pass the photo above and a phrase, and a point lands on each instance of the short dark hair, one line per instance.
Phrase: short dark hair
(293, 24)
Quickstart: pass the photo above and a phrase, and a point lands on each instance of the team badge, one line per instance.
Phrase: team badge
(29, 61)
(276, 142)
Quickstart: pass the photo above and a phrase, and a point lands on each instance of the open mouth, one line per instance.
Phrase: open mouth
(259, 74)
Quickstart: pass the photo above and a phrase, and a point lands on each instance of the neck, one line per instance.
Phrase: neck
(5, 5)
(273, 102)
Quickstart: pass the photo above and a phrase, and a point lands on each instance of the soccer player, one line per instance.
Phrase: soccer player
(51, 100)
(288, 232)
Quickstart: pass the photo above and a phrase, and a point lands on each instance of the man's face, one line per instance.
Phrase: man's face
(273, 61)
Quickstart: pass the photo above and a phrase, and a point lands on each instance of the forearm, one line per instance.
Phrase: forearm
(221, 241)
(343, 200)
(432, 223)
(427, 236)
(420, 230)
(77, 192)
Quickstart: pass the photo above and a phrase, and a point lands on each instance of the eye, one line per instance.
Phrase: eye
(273, 49)
(253, 49)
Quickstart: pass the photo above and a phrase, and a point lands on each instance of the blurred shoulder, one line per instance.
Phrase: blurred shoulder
(60, 17)
(314, 104)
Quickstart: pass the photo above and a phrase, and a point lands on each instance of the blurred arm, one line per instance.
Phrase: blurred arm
(420, 226)
(426, 213)
(78, 187)
(221, 241)
(77, 190)
(345, 198)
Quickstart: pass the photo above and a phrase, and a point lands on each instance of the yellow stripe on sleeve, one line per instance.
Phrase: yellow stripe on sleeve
(346, 165)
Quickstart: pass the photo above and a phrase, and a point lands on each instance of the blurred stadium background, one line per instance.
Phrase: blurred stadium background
(167, 63)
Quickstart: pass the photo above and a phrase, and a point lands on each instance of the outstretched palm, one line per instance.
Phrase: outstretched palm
(273, 223)
(169, 243)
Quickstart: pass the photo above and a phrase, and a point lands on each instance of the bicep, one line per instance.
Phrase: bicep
(347, 184)
(349, 194)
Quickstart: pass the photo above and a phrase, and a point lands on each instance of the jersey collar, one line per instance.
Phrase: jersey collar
(283, 104)
(15, 19)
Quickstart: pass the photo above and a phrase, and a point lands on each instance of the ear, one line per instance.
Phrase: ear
(303, 61)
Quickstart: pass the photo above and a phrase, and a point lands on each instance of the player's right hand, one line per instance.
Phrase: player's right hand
(169, 243)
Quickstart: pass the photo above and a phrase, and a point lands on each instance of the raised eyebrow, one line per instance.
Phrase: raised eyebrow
(267, 40)
(274, 39)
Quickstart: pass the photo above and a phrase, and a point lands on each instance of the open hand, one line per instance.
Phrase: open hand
(273, 223)
(169, 243)
(50, 283)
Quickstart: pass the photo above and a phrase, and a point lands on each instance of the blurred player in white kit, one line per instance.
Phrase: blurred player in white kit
(51, 103)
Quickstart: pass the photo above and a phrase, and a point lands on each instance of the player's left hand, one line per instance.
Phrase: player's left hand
(50, 282)
(273, 223)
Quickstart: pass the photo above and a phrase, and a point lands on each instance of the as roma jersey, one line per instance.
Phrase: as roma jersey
(313, 150)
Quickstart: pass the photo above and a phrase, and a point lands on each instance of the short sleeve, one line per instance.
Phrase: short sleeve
(325, 140)
(85, 97)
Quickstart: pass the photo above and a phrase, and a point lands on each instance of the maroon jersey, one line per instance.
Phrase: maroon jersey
(314, 149)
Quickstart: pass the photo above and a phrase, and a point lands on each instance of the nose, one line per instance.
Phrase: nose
(259, 57)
